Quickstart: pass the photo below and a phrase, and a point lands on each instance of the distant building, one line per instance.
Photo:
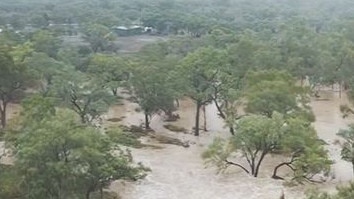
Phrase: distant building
(128, 31)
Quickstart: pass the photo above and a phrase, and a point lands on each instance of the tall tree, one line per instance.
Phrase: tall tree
(347, 152)
(83, 95)
(276, 91)
(298, 46)
(44, 68)
(113, 71)
(46, 42)
(98, 36)
(257, 136)
(60, 158)
(12, 77)
(154, 92)
(306, 154)
(200, 70)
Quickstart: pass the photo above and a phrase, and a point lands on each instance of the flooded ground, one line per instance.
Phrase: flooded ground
(13, 110)
(133, 44)
(179, 172)
(328, 122)
(128, 44)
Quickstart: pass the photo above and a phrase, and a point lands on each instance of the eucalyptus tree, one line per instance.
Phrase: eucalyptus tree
(13, 75)
(155, 84)
(276, 91)
(199, 71)
(44, 69)
(59, 157)
(82, 94)
(258, 136)
(112, 71)
(347, 152)
(46, 42)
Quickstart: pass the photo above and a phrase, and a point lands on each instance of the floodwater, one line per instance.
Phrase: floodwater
(179, 173)
(328, 122)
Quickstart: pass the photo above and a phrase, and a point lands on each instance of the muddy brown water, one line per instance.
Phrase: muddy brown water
(180, 173)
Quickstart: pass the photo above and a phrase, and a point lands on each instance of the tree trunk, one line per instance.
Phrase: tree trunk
(115, 91)
(101, 192)
(196, 130)
(83, 119)
(177, 103)
(340, 90)
(275, 171)
(253, 167)
(3, 114)
(147, 122)
(346, 86)
(264, 153)
(88, 194)
(232, 131)
(221, 113)
(204, 117)
(223, 116)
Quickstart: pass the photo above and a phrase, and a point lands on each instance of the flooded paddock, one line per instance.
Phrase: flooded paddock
(179, 172)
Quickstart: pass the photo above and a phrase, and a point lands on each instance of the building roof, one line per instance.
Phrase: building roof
(127, 28)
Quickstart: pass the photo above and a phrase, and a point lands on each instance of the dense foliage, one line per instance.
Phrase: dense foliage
(258, 62)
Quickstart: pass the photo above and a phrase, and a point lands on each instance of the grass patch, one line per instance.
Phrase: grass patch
(168, 140)
(115, 119)
(174, 128)
(138, 110)
(124, 138)
(9, 183)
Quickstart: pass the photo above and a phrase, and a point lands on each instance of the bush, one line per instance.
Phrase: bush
(174, 128)
(124, 138)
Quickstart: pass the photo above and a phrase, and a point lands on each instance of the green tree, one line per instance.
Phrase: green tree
(83, 95)
(98, 36)
(227, 95)
(200, 70)
(12, 78)
(75, 56)
(40, 20)
(257, 136)
(276, 91)
(59, 157)
(337, 57)
(343, 192)
(44, 69)
(307, 156)
(113, 71)
(153, 92)
(347, 152)
(46, 42)
(299, 49)
(9, 183)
